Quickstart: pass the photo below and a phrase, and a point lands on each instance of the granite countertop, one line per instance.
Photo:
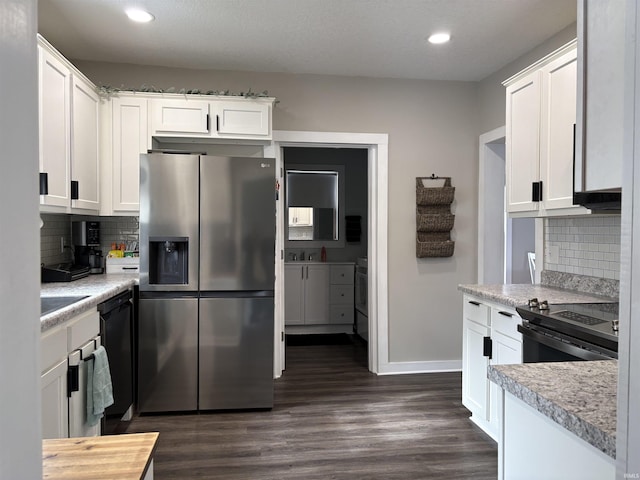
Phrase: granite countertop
(516, 295)
(98, 288)
(579, 396)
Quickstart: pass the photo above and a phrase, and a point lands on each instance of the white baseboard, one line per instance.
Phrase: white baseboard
(400, 368)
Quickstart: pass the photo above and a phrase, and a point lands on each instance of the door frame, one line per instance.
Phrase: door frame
(491, 228)
(377, 145)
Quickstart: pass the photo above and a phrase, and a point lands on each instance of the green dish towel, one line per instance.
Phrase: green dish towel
(99, 388)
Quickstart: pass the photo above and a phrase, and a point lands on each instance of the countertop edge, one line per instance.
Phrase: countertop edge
(566, 419)
(515, 295)
(97, 293)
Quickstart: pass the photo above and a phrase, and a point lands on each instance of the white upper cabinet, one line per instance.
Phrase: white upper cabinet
(180, 117)
(129, 137)
(68, 132)
(211, 118)
(248, 117)
(540, 120)
(54, 127)
(84, 145)
(601, 31)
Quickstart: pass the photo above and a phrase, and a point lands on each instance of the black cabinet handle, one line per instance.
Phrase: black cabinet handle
(506, 314)
(73, 379)
(487, 347)
(217, 123)
(477, 304)
(75, 188)
(536, 191)
(44, 183)
(208, 122)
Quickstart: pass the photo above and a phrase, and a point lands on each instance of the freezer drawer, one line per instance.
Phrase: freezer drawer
(168, 354)
(236, 353)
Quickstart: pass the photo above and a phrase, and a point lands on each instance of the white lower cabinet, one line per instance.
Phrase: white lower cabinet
(53, 392)
(490, 337)
(534, 447)
(319, 295)
(306, 294)
(58, 346)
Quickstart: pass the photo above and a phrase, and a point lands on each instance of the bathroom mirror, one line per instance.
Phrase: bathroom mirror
(312, 205)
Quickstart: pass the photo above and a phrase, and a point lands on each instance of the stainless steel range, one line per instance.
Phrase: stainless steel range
(565, 332)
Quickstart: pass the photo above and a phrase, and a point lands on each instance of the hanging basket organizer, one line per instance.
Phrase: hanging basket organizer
(434, 195)
(434, 219)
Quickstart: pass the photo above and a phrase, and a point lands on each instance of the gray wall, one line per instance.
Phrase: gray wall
(20, 418)
(491, 94)
(432, 128)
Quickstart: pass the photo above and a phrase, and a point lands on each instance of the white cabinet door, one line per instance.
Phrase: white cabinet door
(130, 139)
(55, 128)
(505, 351)
(242, 118)
(556, 127)
(540, 120)
(84, 150)
(316, 294)
(474, 369)
(179, 117)
(55, 420)
(601, 85)
(522, 145)
(294, 294)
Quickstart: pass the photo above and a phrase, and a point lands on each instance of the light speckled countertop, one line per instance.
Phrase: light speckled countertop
(98, 287)
(580, 396)
(516, 295)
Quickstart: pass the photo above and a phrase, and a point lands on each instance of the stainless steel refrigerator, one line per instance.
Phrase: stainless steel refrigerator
(207, 239)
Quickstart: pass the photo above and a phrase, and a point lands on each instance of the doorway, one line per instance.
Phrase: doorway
(376, 146)
(505, 245)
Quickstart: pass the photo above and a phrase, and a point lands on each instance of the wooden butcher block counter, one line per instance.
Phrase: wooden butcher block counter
(121, 457)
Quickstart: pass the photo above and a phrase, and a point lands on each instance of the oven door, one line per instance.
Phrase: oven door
(540, 344)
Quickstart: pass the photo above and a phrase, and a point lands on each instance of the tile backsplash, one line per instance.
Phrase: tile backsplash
(588, 245)
(58, 226)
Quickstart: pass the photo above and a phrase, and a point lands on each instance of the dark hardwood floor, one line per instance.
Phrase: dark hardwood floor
(332, 419)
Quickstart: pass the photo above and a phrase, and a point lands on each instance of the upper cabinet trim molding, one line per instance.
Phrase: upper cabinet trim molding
(572, 45)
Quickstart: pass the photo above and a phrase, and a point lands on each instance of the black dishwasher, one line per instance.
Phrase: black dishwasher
(116, 331)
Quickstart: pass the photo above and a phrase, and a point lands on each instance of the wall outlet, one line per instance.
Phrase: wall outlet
(553, 254)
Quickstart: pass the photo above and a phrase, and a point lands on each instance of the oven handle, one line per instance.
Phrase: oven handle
(561, 346)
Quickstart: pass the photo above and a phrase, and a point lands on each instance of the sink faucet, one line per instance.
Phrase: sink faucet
(310, 257)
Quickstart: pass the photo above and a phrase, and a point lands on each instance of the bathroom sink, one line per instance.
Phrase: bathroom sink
(51, 304)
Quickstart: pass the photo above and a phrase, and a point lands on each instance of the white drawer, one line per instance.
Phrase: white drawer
(341, 314)
(341, 274)
(53, 347)
(476, 311)
(341, 295)
(82, 328)
(506, 320)
(123, 265)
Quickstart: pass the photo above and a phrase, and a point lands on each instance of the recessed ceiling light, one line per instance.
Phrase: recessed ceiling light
(439, 38)
(138, 15)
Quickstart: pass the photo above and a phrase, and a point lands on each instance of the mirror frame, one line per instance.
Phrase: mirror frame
(302, 244)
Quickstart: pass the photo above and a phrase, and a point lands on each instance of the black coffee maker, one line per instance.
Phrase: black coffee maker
(86, 243)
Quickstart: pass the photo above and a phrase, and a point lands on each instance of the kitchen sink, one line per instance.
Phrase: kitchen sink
(51, 304)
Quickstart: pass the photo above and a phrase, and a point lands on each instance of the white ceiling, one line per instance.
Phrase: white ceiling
(372, 38)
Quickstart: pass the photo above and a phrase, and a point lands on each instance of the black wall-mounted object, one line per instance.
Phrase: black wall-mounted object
(353, 228)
